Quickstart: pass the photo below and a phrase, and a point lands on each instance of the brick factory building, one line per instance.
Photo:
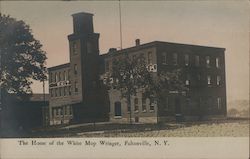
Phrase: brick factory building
(77, 94)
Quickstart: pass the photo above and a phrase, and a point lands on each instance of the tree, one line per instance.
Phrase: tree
(129, 75)
(22, 59)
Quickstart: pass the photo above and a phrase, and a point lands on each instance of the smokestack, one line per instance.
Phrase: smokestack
(137, 42)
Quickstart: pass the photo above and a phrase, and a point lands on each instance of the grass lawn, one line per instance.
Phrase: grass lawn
(218, 128)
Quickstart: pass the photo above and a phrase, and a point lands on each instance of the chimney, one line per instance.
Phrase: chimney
(137, 42)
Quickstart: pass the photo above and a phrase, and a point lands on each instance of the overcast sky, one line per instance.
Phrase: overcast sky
(210, 23)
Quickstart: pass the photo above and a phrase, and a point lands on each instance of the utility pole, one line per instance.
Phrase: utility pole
(120, 19)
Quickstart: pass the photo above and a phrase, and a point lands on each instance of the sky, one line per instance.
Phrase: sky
(210, 23)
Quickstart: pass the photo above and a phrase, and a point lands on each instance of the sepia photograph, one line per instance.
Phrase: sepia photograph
(107, 73)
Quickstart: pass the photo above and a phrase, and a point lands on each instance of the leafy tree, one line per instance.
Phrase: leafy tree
(22, 59)
(130, 75)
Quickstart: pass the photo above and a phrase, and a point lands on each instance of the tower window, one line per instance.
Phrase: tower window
(74, 48)
(218, 80)
(75, 68)
(175, 59)
(207, 61)
(217, 62)
(89, 48)
(197, 60)
(209, 80)
(186, 59)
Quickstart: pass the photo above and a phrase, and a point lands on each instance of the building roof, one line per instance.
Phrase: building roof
(153, 44)
(59, 66)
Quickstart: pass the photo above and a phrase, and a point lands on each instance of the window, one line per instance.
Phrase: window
(60, 91)
(54, 112)
(218, 80)
(51, 92)
(59, 76)
(219, 103)
(134, 57)
(144, 108)
(187, 82)
(165, 104)
(51, 77)
(175, 59)
(64, 75)
(69, 90)
(136, 104)
(69, 75)
(152, 104)
(207, 61)
(56, 77)
(129, 108)
(118, 110)
(75, 68)
(197, 60)
(164, 58)
(208, 80)
(198, 77)
(217, 62)
(68, 110)
(210, 103)
(76, 86)
(64, 91)
(107, 66)
(57, 112)
(186, 56)
(74, 48)
(187, 102)
(150, 57)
